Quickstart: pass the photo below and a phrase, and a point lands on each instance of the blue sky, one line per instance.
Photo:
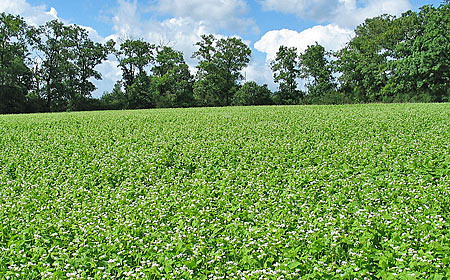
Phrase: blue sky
(263, 24)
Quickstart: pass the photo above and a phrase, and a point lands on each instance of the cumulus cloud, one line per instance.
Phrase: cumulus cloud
(127, 19)
(331, 36)
(260, 73)
(110, 74)
(345, 13)
(33, 15)
(350, 13)
(229, 14)
(180, 33)
(38, 15)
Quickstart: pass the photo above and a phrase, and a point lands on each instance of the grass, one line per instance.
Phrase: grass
(300, 192)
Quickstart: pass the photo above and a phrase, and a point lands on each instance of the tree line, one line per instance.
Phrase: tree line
(390, 59)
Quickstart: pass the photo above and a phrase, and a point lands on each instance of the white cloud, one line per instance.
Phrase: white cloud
(126, 19)
(33, 15)
(349, 14)
(345, 13)
(52, 13)
(344, 16)
(110, 74)
(331, 36)
(260, 73)
(224, 13)
(38, 15)
(180, 33)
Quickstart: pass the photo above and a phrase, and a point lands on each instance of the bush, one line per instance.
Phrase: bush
(253, 94)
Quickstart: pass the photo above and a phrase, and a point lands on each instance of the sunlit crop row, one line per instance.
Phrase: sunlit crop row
(310, 192)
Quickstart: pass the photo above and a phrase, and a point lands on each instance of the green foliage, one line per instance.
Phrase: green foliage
(363, 62)
(134, 57)
(317, 70)
(68, 64)
(218, 71)
(399, 59)
(172, 82)
(88, 55)
(49, 68)
(116, 99)
(208, 85)
(253, 94)
(422, 68)
(15, 76)
(285, 72)
(140, 94)
(152, 77)
(280, 192)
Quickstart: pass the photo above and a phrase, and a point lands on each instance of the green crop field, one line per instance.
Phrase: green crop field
(301, 192)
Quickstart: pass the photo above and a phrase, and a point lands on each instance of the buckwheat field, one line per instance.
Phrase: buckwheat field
(295, 192)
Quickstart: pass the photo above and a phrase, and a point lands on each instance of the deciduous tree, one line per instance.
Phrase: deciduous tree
(135, 58)
(172, 82)
(363, 62)
(286, 71)
(317, 70)
(55, 70)
(15, 75)
(219, 70)
(66, 61)
(421, 69)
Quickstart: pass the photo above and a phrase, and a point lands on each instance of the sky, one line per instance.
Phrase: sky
(262, 24)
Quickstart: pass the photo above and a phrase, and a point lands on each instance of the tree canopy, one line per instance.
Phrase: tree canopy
(286, 71)
(218, 71)
(15, 75)
(390, 59)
